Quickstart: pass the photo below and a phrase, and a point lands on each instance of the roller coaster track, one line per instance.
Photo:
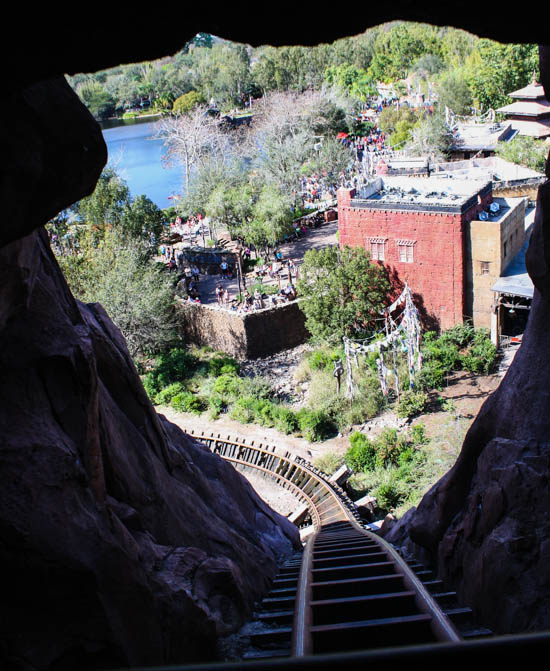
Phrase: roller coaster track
(349, 589)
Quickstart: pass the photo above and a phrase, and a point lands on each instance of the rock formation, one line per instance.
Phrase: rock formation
(123, 541)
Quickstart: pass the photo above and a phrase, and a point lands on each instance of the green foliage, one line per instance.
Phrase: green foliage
(494, 70)
(118, 273)
(286, 420)
(459, 348)
(342, 292)
(524, 150)
(228, 385)
(216, 405)
(165, 396)
(411, 403)
(329, 462)
(418, 434)
(186, 401)
(315, 425)
(243, 410)
(171, 366)
(186, 102)
(391, 493)
(324, 359)
(361, 456)
(223, 364)
(389, 449)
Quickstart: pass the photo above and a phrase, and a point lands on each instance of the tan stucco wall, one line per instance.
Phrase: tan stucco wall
(488, 240)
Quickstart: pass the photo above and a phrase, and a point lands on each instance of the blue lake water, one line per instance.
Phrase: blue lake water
(136, 157)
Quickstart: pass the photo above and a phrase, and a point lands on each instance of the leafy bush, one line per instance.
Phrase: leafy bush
(431, 376)
(188, 402)
(460, 347)
(329, 463)
(265, 412)
(391, 493)
(411, 403)
(361, 456)
(174, 365)
(315, 424)
(389, 446)
(243, 411)
(223, 364)
(481, 355)
(418, 435)
(227, 384)
(165, 396)
(216, 405)
(285, 420)
(323, 359)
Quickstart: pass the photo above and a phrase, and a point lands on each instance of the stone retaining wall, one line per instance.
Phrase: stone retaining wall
(244, 336)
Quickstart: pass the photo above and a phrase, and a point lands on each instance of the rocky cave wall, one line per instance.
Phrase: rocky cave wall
(116, 527)
(123, 541)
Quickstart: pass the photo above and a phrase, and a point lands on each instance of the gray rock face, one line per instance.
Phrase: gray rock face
(123, 540)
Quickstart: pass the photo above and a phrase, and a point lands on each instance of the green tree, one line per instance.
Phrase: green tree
(143, 219)
(136, 292)
(494, 70)
(96, 99)
(342, 292)
(454, 92)
(524, 150)
(431, 136)
(186, 102)
(106, 205)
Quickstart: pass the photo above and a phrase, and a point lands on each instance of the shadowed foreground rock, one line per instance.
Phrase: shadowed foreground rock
(122, 540)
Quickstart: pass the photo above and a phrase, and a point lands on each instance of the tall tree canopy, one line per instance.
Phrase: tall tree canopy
(342, 292)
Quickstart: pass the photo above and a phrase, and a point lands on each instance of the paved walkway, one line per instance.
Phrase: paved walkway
(313, 239)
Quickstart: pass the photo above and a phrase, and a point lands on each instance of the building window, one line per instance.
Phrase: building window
(376, 247)
(484, 267)
(505, 249)
(406, 251)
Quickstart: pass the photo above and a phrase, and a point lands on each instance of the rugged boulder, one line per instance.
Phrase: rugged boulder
(122, 540)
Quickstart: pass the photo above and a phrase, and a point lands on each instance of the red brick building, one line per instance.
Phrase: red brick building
(419, 229)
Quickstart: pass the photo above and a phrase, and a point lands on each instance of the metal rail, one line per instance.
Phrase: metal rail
(353, 590)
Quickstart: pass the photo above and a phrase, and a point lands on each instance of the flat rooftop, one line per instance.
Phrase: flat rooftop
(431, 193)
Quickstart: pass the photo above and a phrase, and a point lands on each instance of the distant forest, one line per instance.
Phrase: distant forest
(460, 69)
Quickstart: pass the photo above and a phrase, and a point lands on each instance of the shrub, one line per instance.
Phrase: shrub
(165, 396)
(227, 384)
(431, 376)
(174, 365)
(418, 435)
(481, 355)
(243, 410)
(322, 359)
(315, 424)
(361, 456)
(329, 463)
(216, 405)
(285, 420)
(188, 402)
(411, 403)
(265, 412)
(391, 493)
(223, 364)
(259, 387)
(389, 446)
